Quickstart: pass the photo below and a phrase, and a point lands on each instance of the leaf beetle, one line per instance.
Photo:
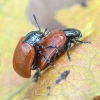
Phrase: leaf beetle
(26, 50)
(62, 38)
(37, 49)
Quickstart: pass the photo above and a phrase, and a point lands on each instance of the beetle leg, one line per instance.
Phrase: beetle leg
(48, 60)
(33, 66)
(41, 46)
(36, 75)
(54, 57)
(39, 71)
(39, 51)
(45, 30)
(76, 40)
(52, 63)
(46, 34)
(68, 48)
(72, 40)
(74, 44)
(82, 41)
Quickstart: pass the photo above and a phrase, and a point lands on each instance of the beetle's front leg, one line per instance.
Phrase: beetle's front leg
(68, 48)
(46, 34)
(76, 40)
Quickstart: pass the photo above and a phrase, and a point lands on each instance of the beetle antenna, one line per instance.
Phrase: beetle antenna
(36, 22)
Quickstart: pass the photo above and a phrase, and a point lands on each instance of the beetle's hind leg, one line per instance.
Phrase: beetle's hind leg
(48, 60)
(36, 75)
(53, 59)
(41, 46)
(40, 52)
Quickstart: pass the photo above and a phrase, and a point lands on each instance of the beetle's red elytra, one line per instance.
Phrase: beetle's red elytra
(55, 38)
(23, 58)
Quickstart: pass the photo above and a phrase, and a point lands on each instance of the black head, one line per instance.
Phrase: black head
(34, 37)
(71, 32)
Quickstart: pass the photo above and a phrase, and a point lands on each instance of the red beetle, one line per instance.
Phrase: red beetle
(55, 38)
(34, 52)
(25, 52)
(61, 39)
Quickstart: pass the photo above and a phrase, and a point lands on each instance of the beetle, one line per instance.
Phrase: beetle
(62, 38)
(26, 50)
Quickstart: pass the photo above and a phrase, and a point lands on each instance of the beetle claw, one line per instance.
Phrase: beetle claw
(35, 77)
(52, 64)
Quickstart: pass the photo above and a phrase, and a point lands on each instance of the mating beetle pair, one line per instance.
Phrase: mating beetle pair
(37, 49)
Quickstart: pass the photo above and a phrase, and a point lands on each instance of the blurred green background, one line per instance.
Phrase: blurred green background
(13, 25)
